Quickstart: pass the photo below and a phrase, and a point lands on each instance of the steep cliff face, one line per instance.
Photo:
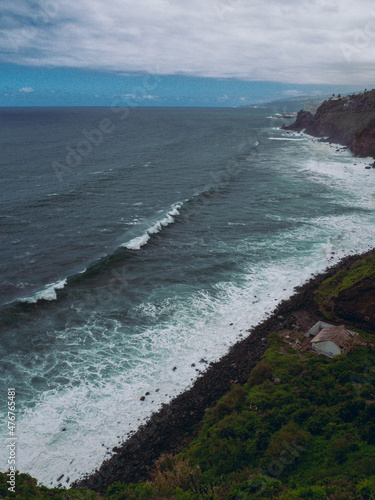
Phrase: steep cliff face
(357, 304)
(349, 121)
(304, 120)
(350, 294)
(363, 143)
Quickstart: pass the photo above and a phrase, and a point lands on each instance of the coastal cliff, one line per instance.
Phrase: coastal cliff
(348, 120)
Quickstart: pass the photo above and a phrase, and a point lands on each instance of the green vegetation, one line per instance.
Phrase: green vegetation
(310, 435)
(343, 280)
(26, 489)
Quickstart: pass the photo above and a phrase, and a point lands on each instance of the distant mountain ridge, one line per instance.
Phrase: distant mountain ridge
(348, 120)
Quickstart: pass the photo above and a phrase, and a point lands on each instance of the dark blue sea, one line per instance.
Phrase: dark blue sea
(136, 242)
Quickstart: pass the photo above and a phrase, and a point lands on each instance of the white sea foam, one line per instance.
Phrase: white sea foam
(49, 293)
(155, 227)
(284, 139)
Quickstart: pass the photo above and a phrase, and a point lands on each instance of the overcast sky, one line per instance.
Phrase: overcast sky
(290, 41)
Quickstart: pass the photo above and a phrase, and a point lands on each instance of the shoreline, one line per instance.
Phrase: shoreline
(175, 424)
(348, 121)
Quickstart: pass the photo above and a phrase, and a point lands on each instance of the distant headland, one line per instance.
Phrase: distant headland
(348, 120)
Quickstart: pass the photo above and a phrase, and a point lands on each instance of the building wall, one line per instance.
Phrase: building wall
(328, 348)
(317, 327)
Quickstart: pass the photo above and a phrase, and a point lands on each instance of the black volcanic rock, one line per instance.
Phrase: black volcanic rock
(304, 120)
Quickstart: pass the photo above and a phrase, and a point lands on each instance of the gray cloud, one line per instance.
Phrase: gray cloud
(305, 41)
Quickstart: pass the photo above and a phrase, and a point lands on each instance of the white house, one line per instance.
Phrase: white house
(332, 340)
(314, 330)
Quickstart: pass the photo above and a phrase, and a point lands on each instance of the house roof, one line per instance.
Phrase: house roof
(339, 335)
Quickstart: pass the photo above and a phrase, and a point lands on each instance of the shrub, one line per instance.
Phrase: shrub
(287, 443)
(342, 446)
(351, 410)
(368, 433)
(318, 421)
(258, 486)
(179, 494)
(259, 374)
(367, 391)
(226, 405)
(121, 491)
(312, 493)
(172, 472)
(366, 488)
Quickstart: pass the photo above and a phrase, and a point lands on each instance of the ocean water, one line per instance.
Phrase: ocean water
(135, 243)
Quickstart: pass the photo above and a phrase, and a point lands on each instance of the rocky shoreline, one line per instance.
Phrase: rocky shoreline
(176, 423)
